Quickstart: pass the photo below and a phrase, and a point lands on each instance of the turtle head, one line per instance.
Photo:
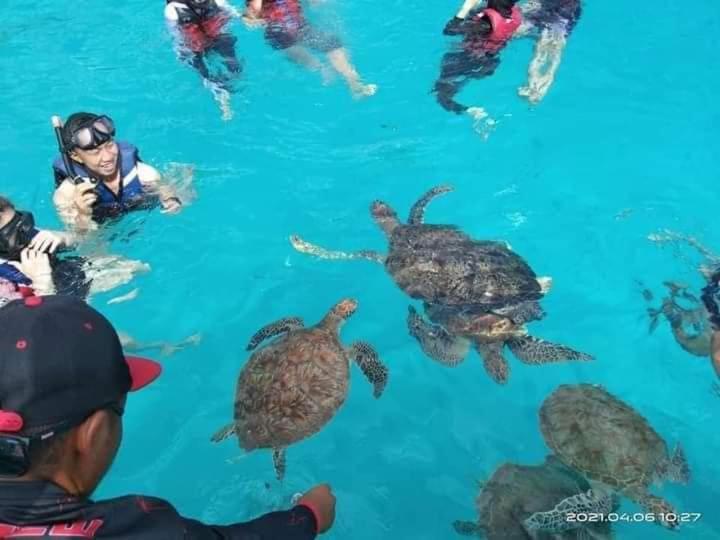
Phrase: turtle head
(345, 308)
(384, 216)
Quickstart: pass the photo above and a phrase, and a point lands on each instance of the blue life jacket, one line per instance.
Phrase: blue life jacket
(131, 196)
(12, 274)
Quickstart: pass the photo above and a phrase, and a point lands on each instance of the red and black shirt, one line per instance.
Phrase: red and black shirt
(43, 510)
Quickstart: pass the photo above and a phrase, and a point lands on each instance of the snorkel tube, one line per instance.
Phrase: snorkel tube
(74, 178)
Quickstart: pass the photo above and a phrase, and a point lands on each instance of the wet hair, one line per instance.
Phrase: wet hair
(73, 123)
(504, 7)
(6, 204)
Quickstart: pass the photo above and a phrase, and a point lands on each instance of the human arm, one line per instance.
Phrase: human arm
(466, 8)
(152, 181)
(314, 514)
(74, 202)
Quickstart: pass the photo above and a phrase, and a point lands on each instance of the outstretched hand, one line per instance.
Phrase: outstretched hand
(322, 502)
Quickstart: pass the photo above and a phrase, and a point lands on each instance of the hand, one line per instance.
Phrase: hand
(85, 196)
(171, 205)
(45, 241)
(36, 266)
(322, 501)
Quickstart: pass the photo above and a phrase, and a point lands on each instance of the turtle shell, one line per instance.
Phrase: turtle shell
(290, 388)
(515, 492)
(591, 430)
(442, 265)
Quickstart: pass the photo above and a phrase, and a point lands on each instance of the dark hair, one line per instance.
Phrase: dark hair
(503, 6)
(6, 204)
(45, 455)
(73, 123)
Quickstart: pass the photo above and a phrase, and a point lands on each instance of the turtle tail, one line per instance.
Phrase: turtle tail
(311, 249)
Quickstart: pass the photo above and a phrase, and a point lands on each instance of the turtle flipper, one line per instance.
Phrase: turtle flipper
(657, 506)
(435, 341)
(495, 363)
(374, 370)
(522, 313)
(556, 520)
(417, 212)
(467, 528)
(311, 249)
(279, 462)
(224, 433)
(273, 329)
(532, 350)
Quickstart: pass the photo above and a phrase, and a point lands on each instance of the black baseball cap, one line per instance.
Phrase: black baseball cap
(61, 360)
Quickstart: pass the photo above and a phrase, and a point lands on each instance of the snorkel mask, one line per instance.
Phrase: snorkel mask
(92, 134)
(16, 235)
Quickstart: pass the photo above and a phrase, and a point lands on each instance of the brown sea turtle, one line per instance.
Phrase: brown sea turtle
(540, 502)
(689, 324)
(456, 328)
(291, 387)
(440, 264)
(607, 441)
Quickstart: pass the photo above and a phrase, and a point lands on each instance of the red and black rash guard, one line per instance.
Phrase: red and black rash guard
(43, 510)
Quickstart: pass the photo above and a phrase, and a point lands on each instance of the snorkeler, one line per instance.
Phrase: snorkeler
(485, 33)
(28, 259)
(554, 20)
(198, 27)
(98, 178)
(286, 29)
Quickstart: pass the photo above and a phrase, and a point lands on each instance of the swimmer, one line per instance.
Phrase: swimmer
(28, 257)
(198, 27)
(286, 29)
(485, 33)
(106, 178)
(552, 21)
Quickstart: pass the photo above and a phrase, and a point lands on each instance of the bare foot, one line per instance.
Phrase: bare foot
(361, 90)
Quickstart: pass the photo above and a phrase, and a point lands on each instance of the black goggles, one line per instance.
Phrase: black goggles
(15, 449)
(97, 132)
(17, 233)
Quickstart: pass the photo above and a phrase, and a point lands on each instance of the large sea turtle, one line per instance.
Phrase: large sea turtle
(540, 502)
(457, 327)
(606, 440)
(440, 264)
(291, 387)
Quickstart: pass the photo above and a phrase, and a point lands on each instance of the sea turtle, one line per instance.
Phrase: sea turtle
(457, 327)
(606, 440)
(442, 265)
(291, 387)
(690, 325)
(540, 502)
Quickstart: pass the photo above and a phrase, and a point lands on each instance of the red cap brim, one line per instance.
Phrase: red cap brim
(142, 371)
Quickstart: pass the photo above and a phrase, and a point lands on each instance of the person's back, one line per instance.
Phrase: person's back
(63, 394)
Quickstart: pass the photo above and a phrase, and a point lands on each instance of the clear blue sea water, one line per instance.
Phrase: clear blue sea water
(625, 145)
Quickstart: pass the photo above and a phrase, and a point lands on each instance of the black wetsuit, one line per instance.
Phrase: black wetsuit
(223, 45)
(468, 62)
(43, 510)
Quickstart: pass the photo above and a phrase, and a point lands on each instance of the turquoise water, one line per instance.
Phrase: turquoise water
(624, 145)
